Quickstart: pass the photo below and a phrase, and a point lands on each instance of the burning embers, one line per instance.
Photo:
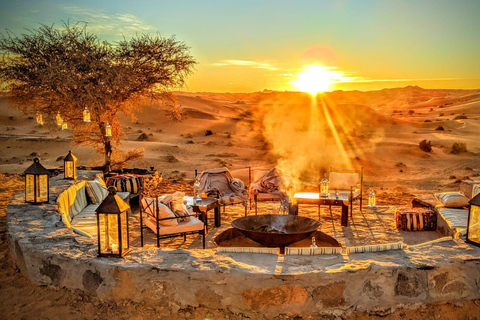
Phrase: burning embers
(266, 228)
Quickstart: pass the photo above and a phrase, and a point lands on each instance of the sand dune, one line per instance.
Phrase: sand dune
(380, 130)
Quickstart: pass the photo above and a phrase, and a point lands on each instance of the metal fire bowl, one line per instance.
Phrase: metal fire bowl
(294, 228)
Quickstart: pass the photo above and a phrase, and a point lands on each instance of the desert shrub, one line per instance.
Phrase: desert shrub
(460, 116)
(458, 147)
(431, 109)
(440, 128)
(452, 177)
(208, 132)
(142, 137)
(426, 145)
(410, 112)
(190, 142)
(441, 114)
(427, 120)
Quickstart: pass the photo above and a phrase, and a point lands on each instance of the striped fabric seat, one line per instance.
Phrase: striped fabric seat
(375, 247)
(126, 183)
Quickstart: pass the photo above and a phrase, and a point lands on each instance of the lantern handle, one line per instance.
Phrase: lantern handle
(112, 190)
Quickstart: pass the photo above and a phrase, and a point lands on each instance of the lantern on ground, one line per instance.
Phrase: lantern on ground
(64, 125)
(58, 119)
(36, 183)
(372, 201)
(324, 186)
(39, 119)
(70, 166)
(108, 130)
(86, 115)
(473, 226)
(112, 226)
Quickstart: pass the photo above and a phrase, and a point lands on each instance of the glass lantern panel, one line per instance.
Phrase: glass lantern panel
(69, 169)
(113, 233)
(102, 236)
(108, 131)
(324, 188)
(474, 224)
(86, 115)
(124, 222)
(42, 188)
(29, 188)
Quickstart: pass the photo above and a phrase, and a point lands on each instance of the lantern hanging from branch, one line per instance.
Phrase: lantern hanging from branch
(108, 130)
(36, 183)
(39, 119)
(324, 186)
(58, 119)
(86, 115)
(64, 125)
(473, 225)
(70, 166)
(112, 226)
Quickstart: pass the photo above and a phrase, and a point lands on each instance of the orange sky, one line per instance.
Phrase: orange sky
(245, 46)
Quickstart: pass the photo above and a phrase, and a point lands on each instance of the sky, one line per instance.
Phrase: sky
(252, 45)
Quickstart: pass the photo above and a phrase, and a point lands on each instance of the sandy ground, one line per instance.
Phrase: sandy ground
(378, 130)
(20, 299)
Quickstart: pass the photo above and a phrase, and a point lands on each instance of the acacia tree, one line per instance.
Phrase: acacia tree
(51, 70)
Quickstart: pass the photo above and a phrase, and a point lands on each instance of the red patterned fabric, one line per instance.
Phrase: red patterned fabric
(416, 219)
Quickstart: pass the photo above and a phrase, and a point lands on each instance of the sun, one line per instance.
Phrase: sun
(315, 79)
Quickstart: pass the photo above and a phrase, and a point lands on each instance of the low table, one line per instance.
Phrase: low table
(315, 198)
(203, 206)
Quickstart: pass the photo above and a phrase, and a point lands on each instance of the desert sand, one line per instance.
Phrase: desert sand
(379, 130)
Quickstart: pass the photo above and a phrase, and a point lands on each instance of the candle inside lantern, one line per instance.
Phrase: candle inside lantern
(59, 119)
(39, 118)
(86, 115)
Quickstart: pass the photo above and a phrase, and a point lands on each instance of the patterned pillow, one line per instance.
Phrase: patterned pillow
(452, 199)
(96, 192)
(163, 212)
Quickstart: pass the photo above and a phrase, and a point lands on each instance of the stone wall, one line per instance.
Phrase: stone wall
(255, 285)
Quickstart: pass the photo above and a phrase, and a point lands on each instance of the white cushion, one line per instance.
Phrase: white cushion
(96, 192)
(86, 221)
(452, 199)
(163, 212)
(193, 225)
(342, 181)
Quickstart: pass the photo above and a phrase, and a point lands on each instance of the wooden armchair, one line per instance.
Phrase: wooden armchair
(164, 223)
(347, 185)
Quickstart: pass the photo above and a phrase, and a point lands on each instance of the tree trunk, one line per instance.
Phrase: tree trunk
(108, 155)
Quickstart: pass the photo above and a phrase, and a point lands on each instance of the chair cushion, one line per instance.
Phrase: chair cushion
(452, 199)
(86, 221)
(342, 181)
(96, 192)
(193, 225)
(163, 212)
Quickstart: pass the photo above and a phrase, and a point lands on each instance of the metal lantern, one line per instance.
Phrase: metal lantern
(86, 115)
(324, 186)
(36, 183)
(473, 226)
(70, 166)
(372, 201)
(58, 119)
(108, 130)
(112, 226)
(64, 125)
(39, 118)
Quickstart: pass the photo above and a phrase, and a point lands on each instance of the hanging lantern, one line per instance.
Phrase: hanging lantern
(108, 130)
(372, 201)
(39, 118)
(324, 186)
(64, 125)
(86, 115)
(70, 166)
(58, 119)
(112, 226)
(473, 225)
(36, 183)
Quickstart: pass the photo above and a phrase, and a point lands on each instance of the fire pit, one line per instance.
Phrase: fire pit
(276, 230)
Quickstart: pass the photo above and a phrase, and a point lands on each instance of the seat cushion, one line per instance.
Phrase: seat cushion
(163, 212)
(193, 225)
(86, 221)
(344, 194)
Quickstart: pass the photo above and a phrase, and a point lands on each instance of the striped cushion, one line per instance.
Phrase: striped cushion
(376, 247)
(96, 192)
(249, 250)
(130, 184)
(312, 251)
